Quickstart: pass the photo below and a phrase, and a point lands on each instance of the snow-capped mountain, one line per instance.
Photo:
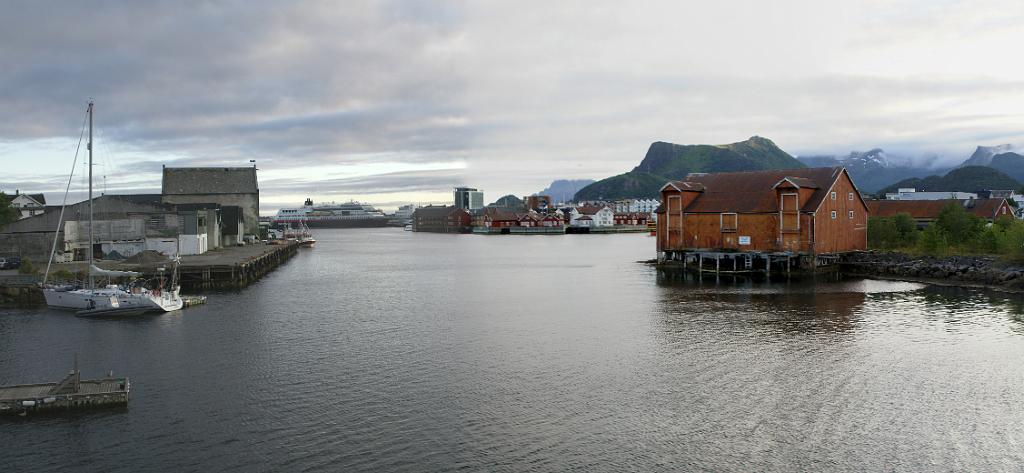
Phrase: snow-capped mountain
(873, 169)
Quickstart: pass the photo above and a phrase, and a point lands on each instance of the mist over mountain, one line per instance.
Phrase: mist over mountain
(668, 161)
(874, 169)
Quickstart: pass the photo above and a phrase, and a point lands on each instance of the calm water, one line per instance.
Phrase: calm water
(391, 350)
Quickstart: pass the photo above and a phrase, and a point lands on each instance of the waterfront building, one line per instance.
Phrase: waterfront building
(631, 218)
(123, 225)
(598, 215)
(28, 205)
(468, 198)
(924, 212)
(441, 219)
(647, 206)
(234, 189)
(404, 213)
(811, 211)
(539, 203)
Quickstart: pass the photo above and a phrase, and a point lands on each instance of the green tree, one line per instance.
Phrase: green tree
(959, 226)
(8, 214)
(934, 240)
(882, 233)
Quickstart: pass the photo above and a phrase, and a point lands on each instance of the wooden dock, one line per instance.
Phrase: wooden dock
(71, 393)
(749, 262)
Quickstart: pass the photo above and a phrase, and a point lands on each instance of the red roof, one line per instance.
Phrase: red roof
(754, 191)
(930, 209)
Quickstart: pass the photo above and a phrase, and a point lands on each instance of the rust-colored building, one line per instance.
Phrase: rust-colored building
(441, 219)
(807, 212)
(924, 212)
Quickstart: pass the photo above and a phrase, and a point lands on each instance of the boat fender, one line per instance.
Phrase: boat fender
(28, 403)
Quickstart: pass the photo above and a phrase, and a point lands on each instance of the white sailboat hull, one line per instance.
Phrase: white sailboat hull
(79, 299)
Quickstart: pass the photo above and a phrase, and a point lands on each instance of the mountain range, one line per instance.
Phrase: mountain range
(873, 171)
(961, 179)
(668, 161)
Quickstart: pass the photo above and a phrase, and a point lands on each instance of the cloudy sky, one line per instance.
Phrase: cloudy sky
(397, 101)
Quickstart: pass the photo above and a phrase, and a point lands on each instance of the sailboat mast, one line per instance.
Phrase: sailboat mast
(91, 256)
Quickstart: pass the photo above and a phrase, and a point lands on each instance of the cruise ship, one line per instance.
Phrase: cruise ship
(347, 215)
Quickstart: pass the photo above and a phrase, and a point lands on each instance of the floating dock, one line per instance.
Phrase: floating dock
(71, 393)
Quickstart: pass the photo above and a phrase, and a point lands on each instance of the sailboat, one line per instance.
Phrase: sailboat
(110, 299)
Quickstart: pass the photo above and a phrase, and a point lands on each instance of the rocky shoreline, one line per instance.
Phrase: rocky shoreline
(979, 271)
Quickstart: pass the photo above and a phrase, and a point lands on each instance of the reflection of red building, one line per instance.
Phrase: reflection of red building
(798, 211)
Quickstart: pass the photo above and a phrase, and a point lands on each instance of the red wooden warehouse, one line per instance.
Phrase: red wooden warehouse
(796, 215)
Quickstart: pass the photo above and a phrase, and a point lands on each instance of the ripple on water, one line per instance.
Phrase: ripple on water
(384, 350)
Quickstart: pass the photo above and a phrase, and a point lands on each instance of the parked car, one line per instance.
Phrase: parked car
(3, 263)
(13, 263)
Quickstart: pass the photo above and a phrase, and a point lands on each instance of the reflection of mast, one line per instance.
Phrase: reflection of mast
(91, 280)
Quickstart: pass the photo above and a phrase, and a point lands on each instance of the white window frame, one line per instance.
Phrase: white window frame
(834, 215)
(850, 213)
(833, 195)
(851, 196)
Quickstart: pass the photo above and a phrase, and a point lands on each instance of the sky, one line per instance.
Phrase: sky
(391, 102)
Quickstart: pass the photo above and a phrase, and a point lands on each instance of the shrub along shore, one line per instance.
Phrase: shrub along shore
(959, 248)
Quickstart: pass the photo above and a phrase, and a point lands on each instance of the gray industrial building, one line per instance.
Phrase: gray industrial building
(200, 209)
(235, 190)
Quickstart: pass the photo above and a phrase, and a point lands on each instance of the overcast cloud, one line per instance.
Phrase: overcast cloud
(397, 101)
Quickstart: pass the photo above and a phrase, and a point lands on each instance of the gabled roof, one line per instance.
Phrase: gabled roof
(684, 186)
(930, 209)
(754, 191)
(208, 180)
(591, 209)
(800, 182)
(497, 213)
(37, 198)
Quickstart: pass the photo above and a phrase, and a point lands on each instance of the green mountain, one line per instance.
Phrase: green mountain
(667, 162)
(965, 179)
(1010, 163)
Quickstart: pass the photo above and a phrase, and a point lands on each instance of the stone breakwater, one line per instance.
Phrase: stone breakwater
(954, 270)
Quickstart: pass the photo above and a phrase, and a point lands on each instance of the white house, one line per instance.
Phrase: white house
(600, 216)
(29, 204)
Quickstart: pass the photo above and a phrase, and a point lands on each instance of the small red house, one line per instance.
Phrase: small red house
(809, 211)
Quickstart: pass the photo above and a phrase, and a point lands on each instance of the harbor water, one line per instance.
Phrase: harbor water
(386, 350)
